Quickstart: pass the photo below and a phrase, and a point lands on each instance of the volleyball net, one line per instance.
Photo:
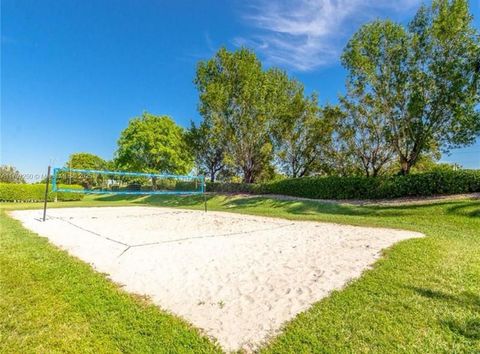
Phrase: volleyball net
(126, 183)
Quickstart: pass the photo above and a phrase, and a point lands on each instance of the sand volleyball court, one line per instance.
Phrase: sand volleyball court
(236, 277)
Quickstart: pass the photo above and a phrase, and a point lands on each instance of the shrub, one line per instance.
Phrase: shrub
(249, 188)
(134, 187)
(188, 186)
(35, 193)
(422, 184)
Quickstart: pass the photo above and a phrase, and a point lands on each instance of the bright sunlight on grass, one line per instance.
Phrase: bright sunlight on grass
(51, 302)
(423, 296)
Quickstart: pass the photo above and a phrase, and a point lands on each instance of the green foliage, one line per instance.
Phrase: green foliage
(208, 146)
(9, 174)
(241, 100)
(420, 297)
(422, 83)
(302, 134)
(86, 161)
(62, 305)
(427, 163)
(154, 144)
(83, 161)
(169, 185)
(339, 159)
(35, 193)
(248, 188)
(360, 187)
(362, 132)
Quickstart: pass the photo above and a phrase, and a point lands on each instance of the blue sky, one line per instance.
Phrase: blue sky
(74, 72)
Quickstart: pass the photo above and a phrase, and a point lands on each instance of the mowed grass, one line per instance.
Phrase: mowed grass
(51, 302)
(423, 296)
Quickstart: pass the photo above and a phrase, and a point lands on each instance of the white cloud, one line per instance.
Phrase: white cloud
(307, 34)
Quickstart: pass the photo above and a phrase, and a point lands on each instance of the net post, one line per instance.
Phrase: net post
(46, 193)
(204, 190)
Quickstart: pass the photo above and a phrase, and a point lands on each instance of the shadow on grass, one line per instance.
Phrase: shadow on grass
(470, 327)
(466, 298)
(465, 209)
(469, 208)
(232, 202)
(157, 200)
(243, 203)
(309, 208)
(118, 198)
(176, 200)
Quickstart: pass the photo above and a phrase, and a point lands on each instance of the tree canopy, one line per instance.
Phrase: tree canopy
(208, 146)
(412, 92)
(241, 100)
(302, 135)
(86, 161)
(83, 161)
(153, 144)
(420, 82)
(259, 118)
(9, 174)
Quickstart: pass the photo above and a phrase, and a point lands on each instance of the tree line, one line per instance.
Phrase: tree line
(412, 92)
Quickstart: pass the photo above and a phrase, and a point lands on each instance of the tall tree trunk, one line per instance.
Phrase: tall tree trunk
(405, 167)
(154, 183)
(248, 176)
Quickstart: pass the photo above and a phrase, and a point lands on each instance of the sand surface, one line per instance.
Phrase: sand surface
(236, 277)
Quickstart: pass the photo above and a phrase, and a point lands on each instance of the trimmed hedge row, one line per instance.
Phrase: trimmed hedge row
(16, 192)
(424, 184)
(248, 188)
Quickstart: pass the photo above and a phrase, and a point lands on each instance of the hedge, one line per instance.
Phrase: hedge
(248, 188)
(16, 192)
(424, 184)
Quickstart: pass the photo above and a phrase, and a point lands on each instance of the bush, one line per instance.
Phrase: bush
(134, 187)
(422, 184)
(35, 193)
(234, 188)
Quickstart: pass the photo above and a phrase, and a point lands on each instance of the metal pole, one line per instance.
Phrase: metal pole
(204, 191)
(46, 194)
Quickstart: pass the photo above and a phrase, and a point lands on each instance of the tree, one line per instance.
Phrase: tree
(302, 135)
(208, 148)
(84, 161)
(240, 100)
(154, 144)
(9, 174)
(423, 80)
(340, 158)
(363, 130)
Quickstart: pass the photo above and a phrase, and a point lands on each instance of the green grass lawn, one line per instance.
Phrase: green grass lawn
(422, 297)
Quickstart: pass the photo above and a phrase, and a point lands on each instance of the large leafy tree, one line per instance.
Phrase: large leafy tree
(362, 130)
(154, 144)
(302, 135)
(340, 159)
(87, 161)
(422, 82)
(84, 161)
(208, 147)
(241, 99)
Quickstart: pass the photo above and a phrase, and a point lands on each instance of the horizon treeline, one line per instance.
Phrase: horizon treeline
(412, 92)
